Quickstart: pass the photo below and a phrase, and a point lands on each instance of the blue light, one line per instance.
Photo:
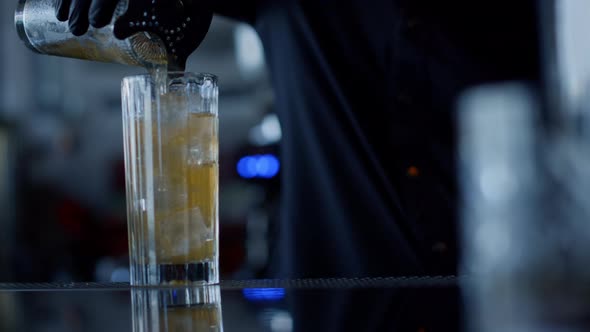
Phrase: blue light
(268, 166)
(262, 166)
(259, 166)
(251, 166)
(247, 167)
(264, 294)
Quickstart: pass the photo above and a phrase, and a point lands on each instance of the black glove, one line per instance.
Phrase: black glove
(187, 21)
(82, 13)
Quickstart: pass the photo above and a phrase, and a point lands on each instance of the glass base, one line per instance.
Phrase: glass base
(197, 273)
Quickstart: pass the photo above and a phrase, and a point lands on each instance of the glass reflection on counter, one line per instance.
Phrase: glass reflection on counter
(176, 309)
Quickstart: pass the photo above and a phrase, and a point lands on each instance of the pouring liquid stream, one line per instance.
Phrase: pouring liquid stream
(159, 75)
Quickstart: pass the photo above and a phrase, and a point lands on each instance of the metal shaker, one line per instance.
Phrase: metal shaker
(142, 33)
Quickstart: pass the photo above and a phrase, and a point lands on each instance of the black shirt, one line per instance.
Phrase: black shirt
(366, 92)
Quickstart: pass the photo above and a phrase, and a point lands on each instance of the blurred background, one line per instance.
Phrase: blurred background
(525, 171)
(62, 182)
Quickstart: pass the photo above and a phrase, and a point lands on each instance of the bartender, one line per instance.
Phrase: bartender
(366, 91)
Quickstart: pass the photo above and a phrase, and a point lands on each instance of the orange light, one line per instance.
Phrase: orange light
(413, 171)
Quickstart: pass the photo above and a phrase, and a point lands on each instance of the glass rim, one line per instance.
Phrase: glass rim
(175, 74)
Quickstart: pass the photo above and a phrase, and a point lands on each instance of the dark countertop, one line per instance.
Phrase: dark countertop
(422, 304)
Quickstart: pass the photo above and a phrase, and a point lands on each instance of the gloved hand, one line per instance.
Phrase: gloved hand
(82, 13)
(188, 21)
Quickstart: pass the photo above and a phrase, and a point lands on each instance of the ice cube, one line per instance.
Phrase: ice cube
(182, 233)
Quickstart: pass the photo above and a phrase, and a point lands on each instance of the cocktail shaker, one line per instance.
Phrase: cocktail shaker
(142, 33)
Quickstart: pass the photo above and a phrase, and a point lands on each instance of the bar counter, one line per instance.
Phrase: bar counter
(417, 304)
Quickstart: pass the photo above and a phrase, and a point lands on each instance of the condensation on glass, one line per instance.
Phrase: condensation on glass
(170, 310)
(171, 161)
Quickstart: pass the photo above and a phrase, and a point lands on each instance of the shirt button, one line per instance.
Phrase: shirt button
(404, 98)
(413, 23)
(414, 30)
(440, 247)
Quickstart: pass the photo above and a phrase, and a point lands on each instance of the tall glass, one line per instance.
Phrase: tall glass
(171, 162)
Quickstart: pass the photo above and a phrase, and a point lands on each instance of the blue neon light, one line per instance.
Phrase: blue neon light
(259, 166)
(264, 294)
(245, 168)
